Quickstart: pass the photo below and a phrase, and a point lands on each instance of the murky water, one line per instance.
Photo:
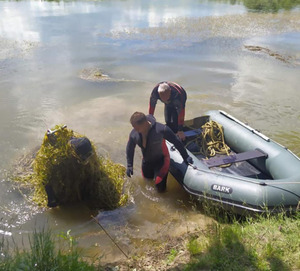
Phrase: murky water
(44, 46)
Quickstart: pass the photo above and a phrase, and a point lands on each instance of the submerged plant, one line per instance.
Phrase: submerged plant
(56, 167)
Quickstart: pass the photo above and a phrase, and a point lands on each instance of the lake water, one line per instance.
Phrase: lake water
(202, 45)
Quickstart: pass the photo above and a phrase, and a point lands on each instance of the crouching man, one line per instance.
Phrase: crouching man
(150, 136)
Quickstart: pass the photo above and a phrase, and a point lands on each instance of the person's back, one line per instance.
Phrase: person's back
(174, 97)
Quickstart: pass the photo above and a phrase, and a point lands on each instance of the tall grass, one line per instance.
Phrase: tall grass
(42, 255)
(270, 242)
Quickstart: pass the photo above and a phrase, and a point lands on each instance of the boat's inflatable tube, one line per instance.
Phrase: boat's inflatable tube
(279, 192)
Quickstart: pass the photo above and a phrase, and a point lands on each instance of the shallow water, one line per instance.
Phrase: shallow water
(199, 44)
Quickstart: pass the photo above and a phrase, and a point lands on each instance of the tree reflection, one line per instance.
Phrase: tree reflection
(251, 5)
(270, 5)
(264, 5)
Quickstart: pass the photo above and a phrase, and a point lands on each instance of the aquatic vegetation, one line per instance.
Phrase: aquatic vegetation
(93, 74)
(98, 183)
(253, 48)
(43, 254)
(96, 75)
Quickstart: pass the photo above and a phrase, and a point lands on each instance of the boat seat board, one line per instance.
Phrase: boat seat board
(244, 169)
(233, 158)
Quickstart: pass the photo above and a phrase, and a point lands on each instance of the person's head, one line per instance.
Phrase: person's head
(164, 92)
(139, 122)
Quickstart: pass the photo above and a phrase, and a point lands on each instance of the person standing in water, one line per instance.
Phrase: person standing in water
(150, 136)
(174, 97)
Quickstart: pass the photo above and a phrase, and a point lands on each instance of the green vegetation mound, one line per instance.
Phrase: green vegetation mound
(97, 182)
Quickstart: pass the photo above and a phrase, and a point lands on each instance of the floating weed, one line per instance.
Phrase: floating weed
(98, 183)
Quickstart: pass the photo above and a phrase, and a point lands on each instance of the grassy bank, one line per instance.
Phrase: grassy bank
(263, 243)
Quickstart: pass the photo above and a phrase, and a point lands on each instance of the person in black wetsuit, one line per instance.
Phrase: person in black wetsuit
(150, 136)
(174, 97)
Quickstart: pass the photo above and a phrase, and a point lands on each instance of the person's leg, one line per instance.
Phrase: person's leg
(171, 118)
(161, 171)
(162, 185)
(167, 112)
(147, 170)
(174, 117)
(52, 202)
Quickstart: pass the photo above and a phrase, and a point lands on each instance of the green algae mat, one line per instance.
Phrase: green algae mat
(57, 168)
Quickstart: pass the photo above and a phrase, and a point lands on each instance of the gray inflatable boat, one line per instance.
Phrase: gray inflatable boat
(258, 175)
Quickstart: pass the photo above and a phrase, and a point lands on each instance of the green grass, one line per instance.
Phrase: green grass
(172, 255)
(263, 243)
(195, 246)
(42, 255)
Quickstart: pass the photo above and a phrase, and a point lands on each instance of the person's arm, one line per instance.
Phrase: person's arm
(171, 137)
(153, 100)
(130, 155)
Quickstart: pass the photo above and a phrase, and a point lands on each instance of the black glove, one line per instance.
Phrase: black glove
(129, 171)
(189, 160)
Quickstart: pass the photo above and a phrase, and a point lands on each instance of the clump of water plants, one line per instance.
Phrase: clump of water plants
(59, 177)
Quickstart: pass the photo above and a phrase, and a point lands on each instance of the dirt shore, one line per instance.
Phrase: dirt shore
(170, 255)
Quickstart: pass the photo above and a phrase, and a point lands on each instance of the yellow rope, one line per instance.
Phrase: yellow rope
(211, 141)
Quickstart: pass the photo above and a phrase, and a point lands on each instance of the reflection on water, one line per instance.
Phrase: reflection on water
(199, 44)
(186, 31)
(270, 6)
(264, 6)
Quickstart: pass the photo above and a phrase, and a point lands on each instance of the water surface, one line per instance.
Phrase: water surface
(199, 44)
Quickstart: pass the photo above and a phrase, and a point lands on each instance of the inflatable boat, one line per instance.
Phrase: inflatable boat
(257, 175)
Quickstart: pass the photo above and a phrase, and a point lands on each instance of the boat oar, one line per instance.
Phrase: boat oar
(97, 221)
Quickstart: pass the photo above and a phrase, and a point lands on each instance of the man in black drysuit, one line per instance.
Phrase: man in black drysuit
(150, 136)
(174, 97)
